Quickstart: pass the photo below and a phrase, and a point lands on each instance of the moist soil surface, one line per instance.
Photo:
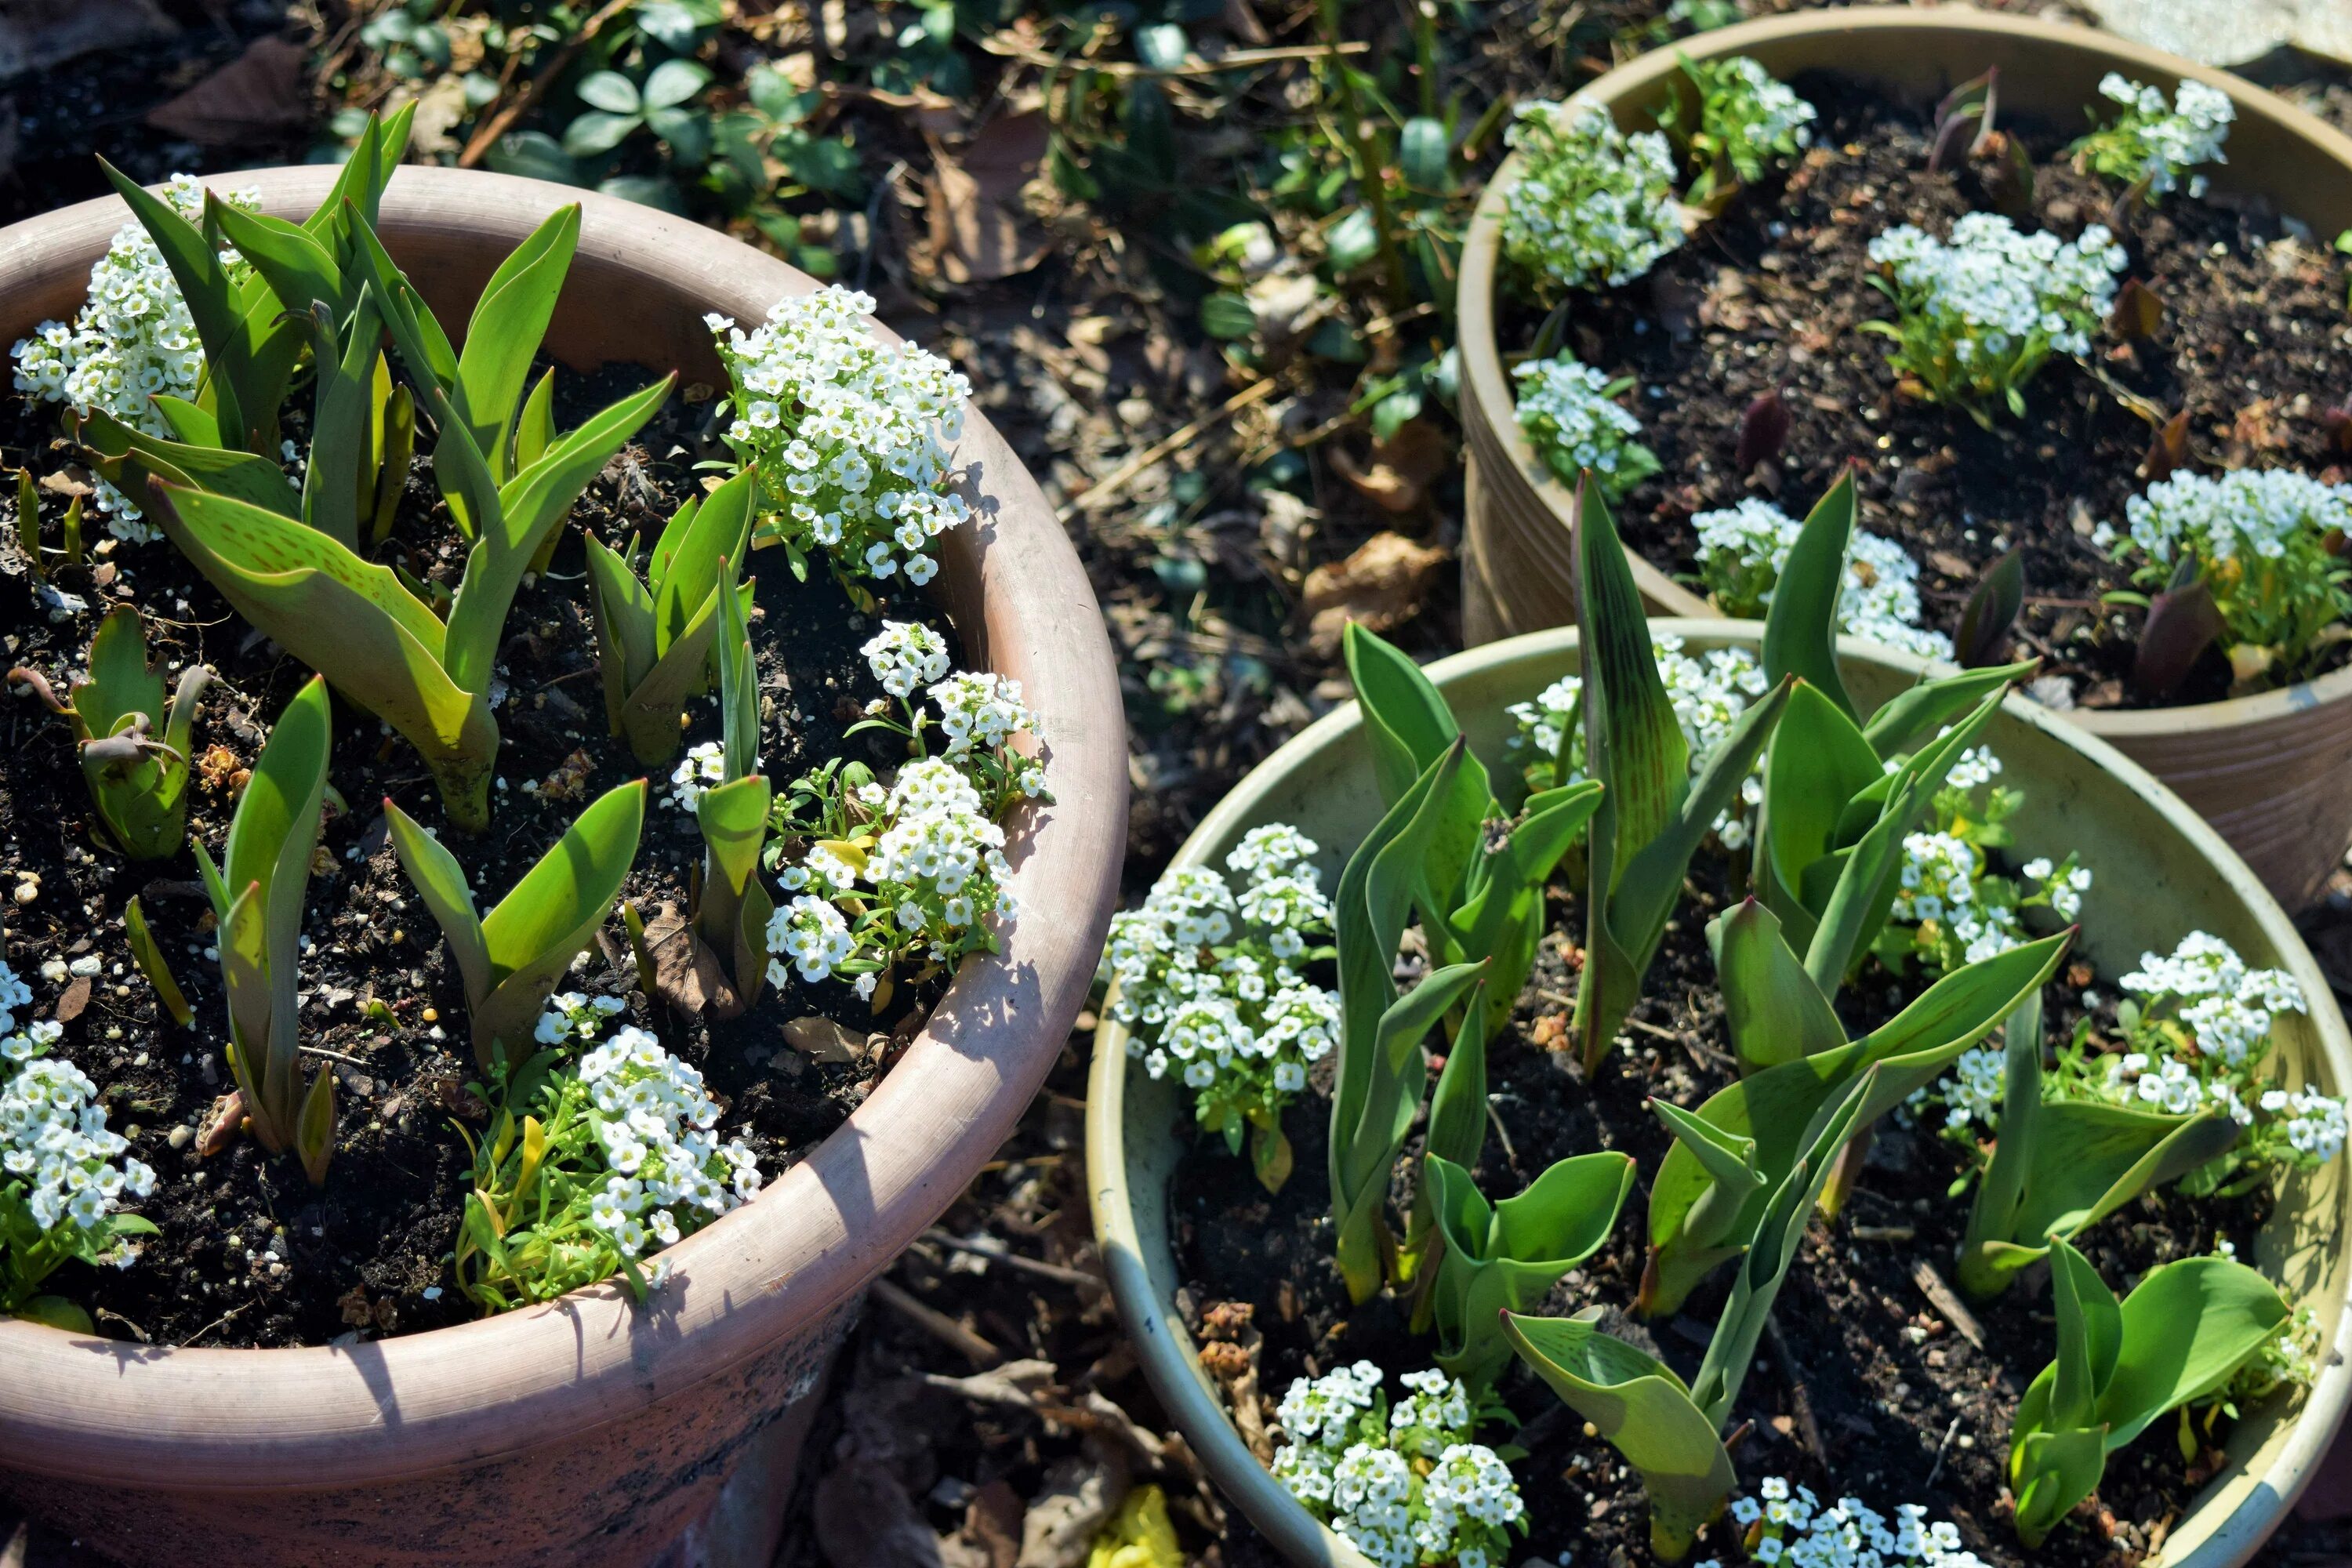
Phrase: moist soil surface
(1772, 294)
(1867, 1387)
(250, 1254)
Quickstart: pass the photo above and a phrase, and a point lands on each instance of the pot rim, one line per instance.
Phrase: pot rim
(1165, 1349)
(123, 1413)
(1481, 350)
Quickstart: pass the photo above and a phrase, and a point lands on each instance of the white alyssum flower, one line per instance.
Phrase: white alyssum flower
(2255, 513)
(653, 1122)
(704, 767)
(981, 714)
(1743, 548)
(132, 340)
(1792, 1527)
(1959, 908)
(851, 438)
(905, 655)
(572, 1015)
(1405, 1486)
(1206, 984)
(1571, 415)
(14, 994)
(812, 933)
(60, 1165)
(2224, 1007)
(2156, 140)
(1593, 205)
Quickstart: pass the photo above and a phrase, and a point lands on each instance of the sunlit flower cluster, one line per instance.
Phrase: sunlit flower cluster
(14, 994)
(1743, 548)
(981, 715)
(1979, 313)
(132, 340)
(1571, 415)
(703, 768)
(63, 1173)
(924, 869)
(1710, 691)
(1404, 1486)
(572, 1017)
(655, 1122)
(1789, 1525)
(1743, 115)
(1953, 906)
(2155, 141)
(904, 655)
(851, 437)
(1592, 207)
(1208, 983)
(2260, 541)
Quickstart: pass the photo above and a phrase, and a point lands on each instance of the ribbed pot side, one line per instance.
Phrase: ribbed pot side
(2274, 777)
(2161, 872)
(589, 1431)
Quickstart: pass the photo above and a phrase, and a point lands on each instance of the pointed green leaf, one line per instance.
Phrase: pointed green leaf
(509, 320)
(1931, 704)
(440, 881)
(1801, 629)
(549, 917)
(1773, 1009)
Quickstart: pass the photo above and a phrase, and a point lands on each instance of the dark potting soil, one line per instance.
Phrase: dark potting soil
(1771, 295)
(250, 1254)
(1867, 1387)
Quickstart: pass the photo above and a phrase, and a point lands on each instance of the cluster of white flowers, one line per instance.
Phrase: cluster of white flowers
(1981, 312)
(53, 1139)
(132, 340)
(14, 994)
(703, 768)
(1405, 1486)
(1790, 1525)
(1755, 106)
(904, 655)
(653, 1122)
(2260, 540)
(571, 1016)
(1710, 691)
(931, 868)
(980, 709)
(1743, 548)
(2156, 140)
(1571, 415)
(1593, 205)
(851, 437)
(1207, 986)
(2225, 1008)
(1951, 907)
(2258, 513)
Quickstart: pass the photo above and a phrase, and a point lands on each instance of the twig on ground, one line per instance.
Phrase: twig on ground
(1102, 491)
(937, 1324)
(1942, 1448)
(1946, 1301)
(1003, 1253)
(1809, 1431)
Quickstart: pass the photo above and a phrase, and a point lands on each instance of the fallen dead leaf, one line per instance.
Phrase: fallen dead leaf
(820, 1038)
(36, 35)
(260, 93)
(1381, 584)
(978, 231)
(76, 998)
(1080, 1496)
(1398, 474)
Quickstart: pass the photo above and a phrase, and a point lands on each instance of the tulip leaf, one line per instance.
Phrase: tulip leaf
(1800, 628)
(509, 320)
(1644, 1411)
(1506, 1257)
(1774, 1011)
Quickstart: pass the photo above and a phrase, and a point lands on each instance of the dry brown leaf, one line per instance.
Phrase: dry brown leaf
(978, 231)
(1080, 1496)
(991, 1524)
(260, 93)
(821, 1039)
(1381, 584)
(76, 998)
(1400, 469)
(36, 35)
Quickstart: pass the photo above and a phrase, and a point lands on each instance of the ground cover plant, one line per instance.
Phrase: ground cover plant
(379, 520)
(1798, 1056)
(2035, 349)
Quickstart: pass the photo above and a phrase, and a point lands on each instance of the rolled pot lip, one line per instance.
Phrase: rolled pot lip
(1162, 1345)
(133, 1415)
(1482, 356)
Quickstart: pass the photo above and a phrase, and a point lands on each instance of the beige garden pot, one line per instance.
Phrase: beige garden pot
(589, 1431)
(2160, 870)
(2272, 772)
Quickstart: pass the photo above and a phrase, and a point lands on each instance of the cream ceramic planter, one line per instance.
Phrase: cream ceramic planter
(2274, 773)
(2161, 872)
(589, 1431)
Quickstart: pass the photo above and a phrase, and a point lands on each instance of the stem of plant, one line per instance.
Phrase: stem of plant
(1369, 164)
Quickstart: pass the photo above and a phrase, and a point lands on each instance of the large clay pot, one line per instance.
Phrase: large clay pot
(2272, 772)
(591, 1431)
(2161, 872)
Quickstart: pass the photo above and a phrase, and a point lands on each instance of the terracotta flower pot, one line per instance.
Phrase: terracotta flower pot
(2161, 871)
(590, 1431)
(2272, 772)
